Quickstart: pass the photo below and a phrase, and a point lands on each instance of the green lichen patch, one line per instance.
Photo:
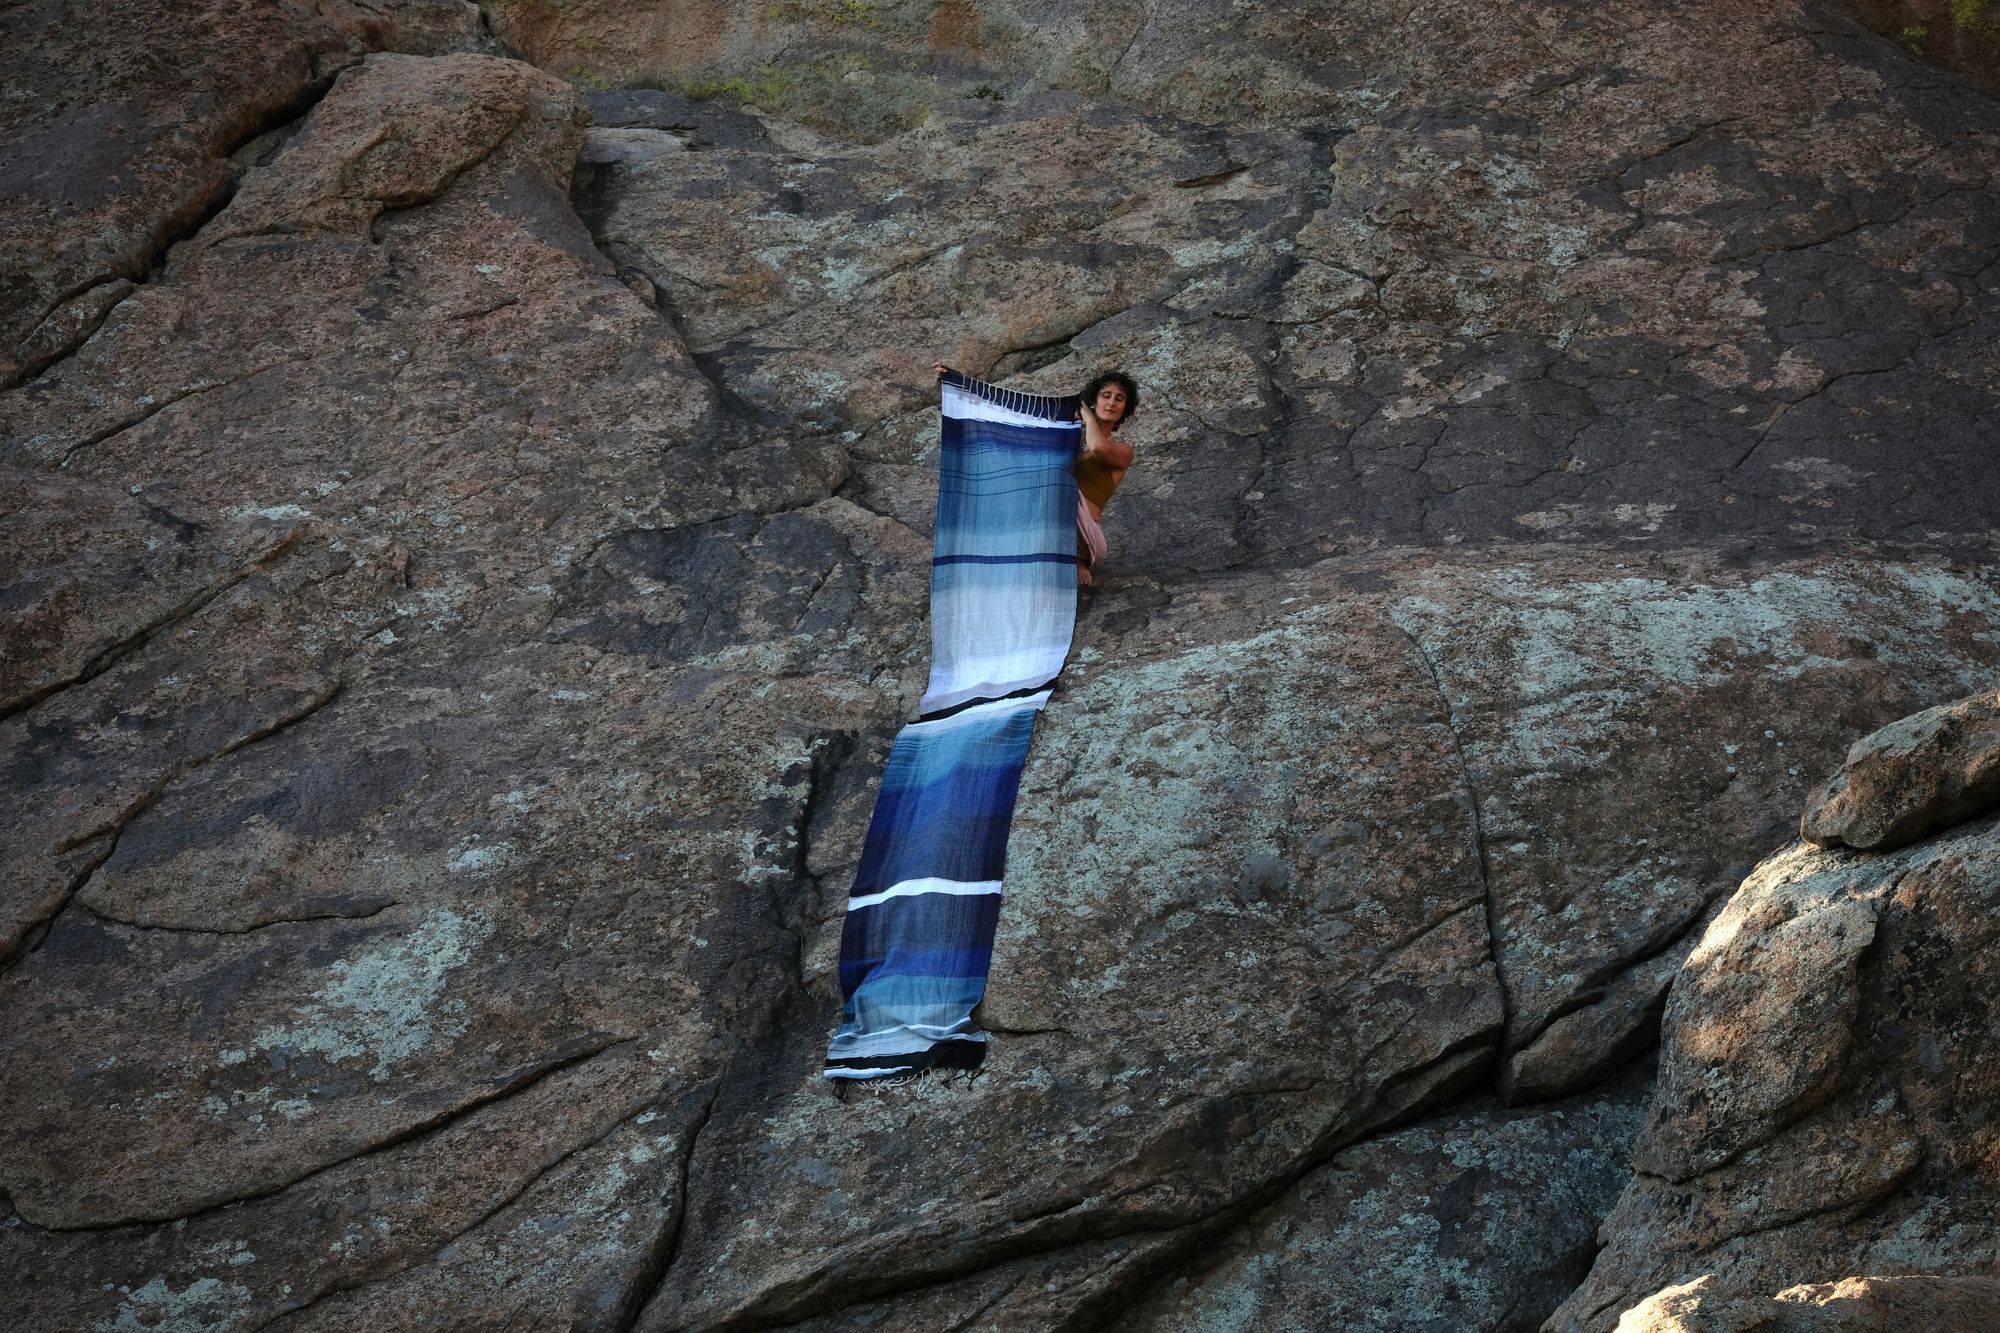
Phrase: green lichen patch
(840, 95)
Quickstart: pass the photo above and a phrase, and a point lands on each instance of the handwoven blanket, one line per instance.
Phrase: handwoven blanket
(918, 938)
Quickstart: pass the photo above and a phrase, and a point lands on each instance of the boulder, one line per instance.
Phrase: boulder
(1825, 1100)
(1913, 777)
(108, 156)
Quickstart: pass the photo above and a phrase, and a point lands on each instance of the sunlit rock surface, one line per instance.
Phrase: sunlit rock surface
(1852, 1305)
(1825, 1099)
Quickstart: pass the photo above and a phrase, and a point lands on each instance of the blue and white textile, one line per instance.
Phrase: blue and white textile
(918, 939)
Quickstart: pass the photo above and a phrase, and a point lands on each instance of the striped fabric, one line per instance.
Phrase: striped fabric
(918, 938)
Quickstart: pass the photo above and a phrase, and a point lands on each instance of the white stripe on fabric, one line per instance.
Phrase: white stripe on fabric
(965, 717)
(863, 1073)
(971, 407)
(930, 884)
(902, 1039)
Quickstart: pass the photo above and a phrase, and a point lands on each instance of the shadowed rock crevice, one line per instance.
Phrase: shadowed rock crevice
(658, 1259)
(111, 920)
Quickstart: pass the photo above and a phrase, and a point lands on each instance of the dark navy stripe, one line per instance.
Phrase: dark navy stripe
(951, 1053)
(1021, 693)
(1039, 558)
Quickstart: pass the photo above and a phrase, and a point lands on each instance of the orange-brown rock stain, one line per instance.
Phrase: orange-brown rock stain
(955, 29)
(617, 42)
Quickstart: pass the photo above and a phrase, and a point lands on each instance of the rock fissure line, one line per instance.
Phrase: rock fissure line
(1192, 1233)
(514, 1086)
(1764, 431)
(1191, 1238)
(971, 1321)
(115, 653)
(40, 929)
(429, 194)
(1105, 1309)
(1493, 923)
(154, 409)
(1846, 1210)
(1665, 941)
(659, 1261)
(828, 753)
(1619, 173)
(488, 1215)
(1765, 253)
(34, 932)
(415, 198)
(149, 262)
(1138, 30)
(1397, 946)
(32, 367)
(102, 278)
(108, 919)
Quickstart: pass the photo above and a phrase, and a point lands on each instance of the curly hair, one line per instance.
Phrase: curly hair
(1123, 381)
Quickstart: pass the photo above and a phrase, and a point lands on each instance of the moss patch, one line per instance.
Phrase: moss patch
(838, 95)
(837, 13)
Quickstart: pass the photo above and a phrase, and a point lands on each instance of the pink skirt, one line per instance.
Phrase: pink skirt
(1090, 544)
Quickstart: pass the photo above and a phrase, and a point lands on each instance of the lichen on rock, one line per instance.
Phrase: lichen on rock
(464, 526)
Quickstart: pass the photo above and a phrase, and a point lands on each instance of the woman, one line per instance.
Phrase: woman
(1105, 403)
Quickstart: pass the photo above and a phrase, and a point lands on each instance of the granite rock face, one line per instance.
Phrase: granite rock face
(1924, 773)
(1474, 1220)
(121, 122)
(1825, 1103)
(302, 836)
(461, 567)
(1643, 285)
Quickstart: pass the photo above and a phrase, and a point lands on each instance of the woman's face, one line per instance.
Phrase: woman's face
(1110, 404)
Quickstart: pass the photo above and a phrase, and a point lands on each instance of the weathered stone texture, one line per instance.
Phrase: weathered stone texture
(1640, 275)
(1825, 1102)
(1480, 1219)
(432, 911)
(1961, 35)
(461, 567)
(124, 126)
(1923, 773)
